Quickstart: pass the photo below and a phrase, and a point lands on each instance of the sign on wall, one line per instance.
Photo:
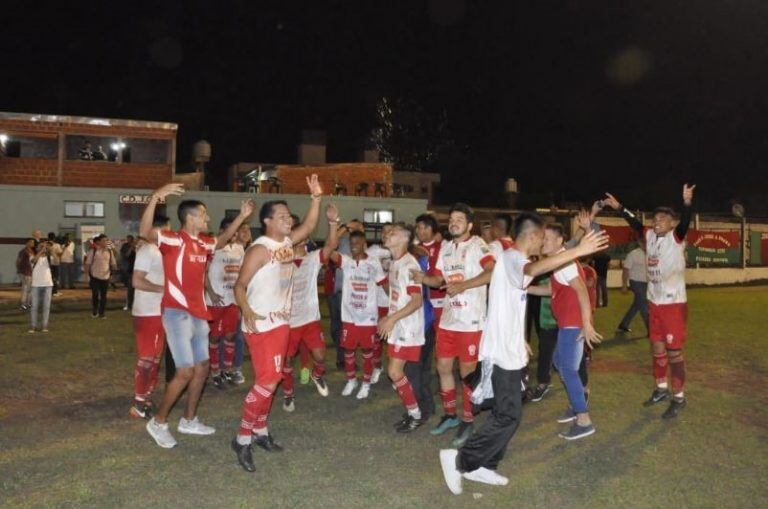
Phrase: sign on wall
(138, 199)
(714, 247)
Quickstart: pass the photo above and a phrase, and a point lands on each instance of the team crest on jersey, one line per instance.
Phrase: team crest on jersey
(670, 338)
(472, 349)
(283, 254)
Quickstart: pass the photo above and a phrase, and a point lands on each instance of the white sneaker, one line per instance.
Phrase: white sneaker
(350, 387)
(451, 474)
(161, 434)
(194, 427)
(364, 391)
(288, 404)
(125, 308)
(375, 375)
(486, 476)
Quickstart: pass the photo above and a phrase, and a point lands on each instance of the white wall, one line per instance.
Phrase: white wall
(707, 276)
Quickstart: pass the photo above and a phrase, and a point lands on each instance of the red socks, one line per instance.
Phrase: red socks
(660, 368)
(288, 378)
(350, 366)
(319, 369)
(677, 368)
(466, 402)
(229, 355)
(449, 401)
(213, 354)
(255, 410)
(377, 352)
(405, 391)
(145, 377)
(367, 365)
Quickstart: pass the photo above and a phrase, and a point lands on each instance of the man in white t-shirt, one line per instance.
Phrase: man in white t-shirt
(634, 275)
(148, 281)
(359, 310)
(41, 287)
(382, 299)
(504, 352)
(305, 309)
(464, 268)
(220, 298)
(67, 267)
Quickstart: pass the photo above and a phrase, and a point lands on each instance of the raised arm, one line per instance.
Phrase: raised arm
(591, 243)
(627, 214)
(145, 227)
(332, 238)
(255, 258)
(685, 216)
(246, 209)
(310, 220)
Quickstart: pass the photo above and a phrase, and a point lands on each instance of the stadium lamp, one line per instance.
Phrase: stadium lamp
(3, 139)
(115, 147)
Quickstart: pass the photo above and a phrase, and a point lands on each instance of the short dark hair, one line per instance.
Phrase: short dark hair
(51, 236)
(185, 208)
(524, 221)
(267, 210)
(665, 210)
(464, 209)
(357, 233)
(428, 220)
(160, 220)
(555, 227)
(99, 237)
(225, 223)
(507, 221)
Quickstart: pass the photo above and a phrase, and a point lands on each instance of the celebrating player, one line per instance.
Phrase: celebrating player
(382, 298)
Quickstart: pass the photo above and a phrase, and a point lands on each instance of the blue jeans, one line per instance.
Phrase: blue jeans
(41, 302)
(187, 337)
(567, 358)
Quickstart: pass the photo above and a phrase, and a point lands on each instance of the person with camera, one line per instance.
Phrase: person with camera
(100, 262)
(42, 287)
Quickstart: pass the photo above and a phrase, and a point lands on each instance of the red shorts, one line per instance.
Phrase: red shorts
(406, 353)
(149, 334)
(268, 351)
(464, 345)
(667, 323)
(354, 336)
(311, 334)
(224, 320)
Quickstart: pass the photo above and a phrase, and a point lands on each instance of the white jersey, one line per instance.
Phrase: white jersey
(666, 268)
(269, 290)
(500, 245)
(149, 260)
(457, 262)
(503, 339)
(385, 259)
(305, 307)
(223, 271)
(408, 331)
(358, 295)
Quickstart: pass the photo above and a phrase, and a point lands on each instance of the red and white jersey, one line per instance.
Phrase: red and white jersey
(436, 295)
(500, 245)
(458, 262)
(269, 290)
(305, 307)
(385, 259)
(359, 305)
(223, 271)
(565, 302)
(149, 260)
(408, 331)
(185, 259)
(666, 268)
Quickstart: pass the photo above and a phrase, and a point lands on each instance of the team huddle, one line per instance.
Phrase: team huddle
(416, 292)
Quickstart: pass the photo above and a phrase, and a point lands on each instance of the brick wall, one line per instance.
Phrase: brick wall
(32, 171)
(31, 128)
(293, 177)
(43, 172)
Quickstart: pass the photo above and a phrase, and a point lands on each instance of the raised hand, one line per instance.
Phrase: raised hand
(688, 193)
(596, 207)
(173, 188)
(611, 201)
(313, 183)
(331, 213)
(593, 242)
(584, 220)
(246, 208)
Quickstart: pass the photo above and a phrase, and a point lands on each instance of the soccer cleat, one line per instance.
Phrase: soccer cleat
(375, 375)
(237, 377)
(140, 410)
(194, 427)
(161, 434)
(350, 387)
(451, 474)
(322, 387)
(486, 476)
(244, 455)
(447, 422)
(657, 396)
(409, 424)
(304, 376)
(288, 404)
(623, 330)
(227, 377)
(24, 307)
(567, 416)
(540, 392)
(675, 405)
(218, 381)
(576, 432)
(267, 443)
(125, 308)
(462, 434)
(365, 390)
(401, 421)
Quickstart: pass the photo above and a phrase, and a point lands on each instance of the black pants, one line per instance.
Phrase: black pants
(420, 375)
(602, 291)
(547, 344)
(639, 304)
(55, 277)
(99, 295)
(532, 316)
(486, 448)
(130, 292)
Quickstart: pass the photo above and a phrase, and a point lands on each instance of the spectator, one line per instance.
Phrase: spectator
(54, 254)
(635, 275)
(99, 265)
(602, 261)
(42, 284)
(67, 266)
(99, 154)
(86, 153)
(127, 259)
(24, 270)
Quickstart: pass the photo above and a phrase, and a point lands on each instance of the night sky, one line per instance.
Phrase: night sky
(572, 98)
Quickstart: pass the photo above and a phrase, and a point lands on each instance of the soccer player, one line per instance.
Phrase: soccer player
(305, 309)
(464, 267)
(504, 352)
(220, 299)
(500, 228)
(668, 308)
(186, 254)
(428, 235)
(263, 293)
(382, 299)
(403, 326)
(359, 310)
(148, 279)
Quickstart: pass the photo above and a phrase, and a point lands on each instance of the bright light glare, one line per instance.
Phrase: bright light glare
(3, 139)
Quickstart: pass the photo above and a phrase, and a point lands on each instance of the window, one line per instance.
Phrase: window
(374, 216)
(83, 209)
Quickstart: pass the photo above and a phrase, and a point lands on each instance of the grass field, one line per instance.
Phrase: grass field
(66, 439)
